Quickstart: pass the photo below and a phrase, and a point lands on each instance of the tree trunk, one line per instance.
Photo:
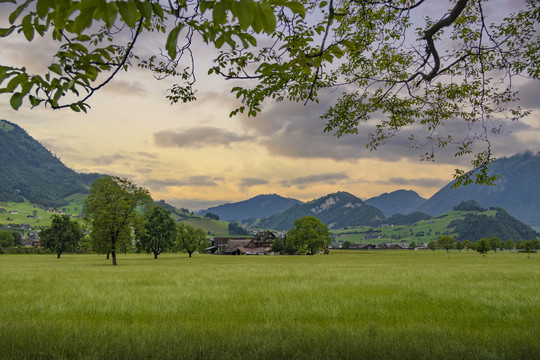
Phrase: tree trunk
(113, 258)
(107, 256)
(155, 255)
(189, 254)
(58, 255)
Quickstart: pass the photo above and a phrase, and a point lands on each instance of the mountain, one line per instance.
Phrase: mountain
(257, 207)
(517, 190)
(337, 210)
(30, 171)
(397, 202)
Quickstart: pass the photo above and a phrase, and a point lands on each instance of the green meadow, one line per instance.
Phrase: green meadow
(345, 305)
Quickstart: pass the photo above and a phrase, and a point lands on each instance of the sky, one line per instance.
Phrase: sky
(195, 156)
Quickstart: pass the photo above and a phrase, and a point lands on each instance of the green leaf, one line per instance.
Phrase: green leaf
(84, 20)
(27, 27)
(172, 40)
(244, 11)
(16, 101)
(42, 7)
(266, 17)
(14, 15)
(7, 32)
(56, 68)
(218, 13)
(129, 12)
(297, 8)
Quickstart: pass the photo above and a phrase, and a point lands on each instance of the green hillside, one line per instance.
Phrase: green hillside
(425, 231)
(28, 171)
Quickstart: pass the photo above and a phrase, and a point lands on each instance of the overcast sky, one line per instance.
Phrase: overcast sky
(195, 156)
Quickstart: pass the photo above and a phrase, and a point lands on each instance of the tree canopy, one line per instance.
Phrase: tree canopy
(157, 233)
(190, 239)
(63, 235)
(308, 235)
(399, 65)
(111, 212)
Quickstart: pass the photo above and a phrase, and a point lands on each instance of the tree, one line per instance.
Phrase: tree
(483, 246)
(346, 244)
(368, 48)
(495, 243)
(446, 242)
(190, 239)
(432, 245)
(309, 235)
(157, 233)
(412, 245)
(508, 245)
(63, 235)
(111, 212)
(528, 247)
(6, 239)
(278, 245)
(469, 245)
(459, 246)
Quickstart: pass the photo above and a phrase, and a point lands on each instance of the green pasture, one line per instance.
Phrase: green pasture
(42, 217)
(422, 232)
(349, 305)
(216, 228)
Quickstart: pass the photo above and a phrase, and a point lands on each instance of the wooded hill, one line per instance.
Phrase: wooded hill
(30, 171)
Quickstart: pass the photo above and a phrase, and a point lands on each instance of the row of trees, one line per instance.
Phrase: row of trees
(116, 212)
(483, 245)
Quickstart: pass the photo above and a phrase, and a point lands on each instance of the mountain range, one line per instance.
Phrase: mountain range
(337, 210)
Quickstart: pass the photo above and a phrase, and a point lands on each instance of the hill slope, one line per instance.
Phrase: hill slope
(397, 202)
(30, 171)
(337, 210)
(256, 207)
(516, 190)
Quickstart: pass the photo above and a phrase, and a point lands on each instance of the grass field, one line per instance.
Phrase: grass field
(349, 305)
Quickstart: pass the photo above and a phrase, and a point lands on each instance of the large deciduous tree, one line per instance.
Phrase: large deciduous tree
(111, 212)
(63, 235)
(190, 239)
(446, 242)
(308, 235)
(402, 64)
(157, 233)
(483, 246)
(6, 239)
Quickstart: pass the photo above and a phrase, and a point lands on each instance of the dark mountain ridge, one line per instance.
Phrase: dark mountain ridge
(256, 207)
(396, 202)
(30, 171)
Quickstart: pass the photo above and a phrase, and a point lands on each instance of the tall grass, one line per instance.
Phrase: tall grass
(373, 305)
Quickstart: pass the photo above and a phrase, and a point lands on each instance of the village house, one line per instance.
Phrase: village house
(32, 240)
(260, 244)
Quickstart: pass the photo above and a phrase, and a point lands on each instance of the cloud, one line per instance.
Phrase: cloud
(198, 137)
(108, 159)
(418, 182)
(296, 131)
(328, 179)
(249, 182)
(197, 180)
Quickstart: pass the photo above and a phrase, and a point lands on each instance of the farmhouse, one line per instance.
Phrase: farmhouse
(261, 243)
